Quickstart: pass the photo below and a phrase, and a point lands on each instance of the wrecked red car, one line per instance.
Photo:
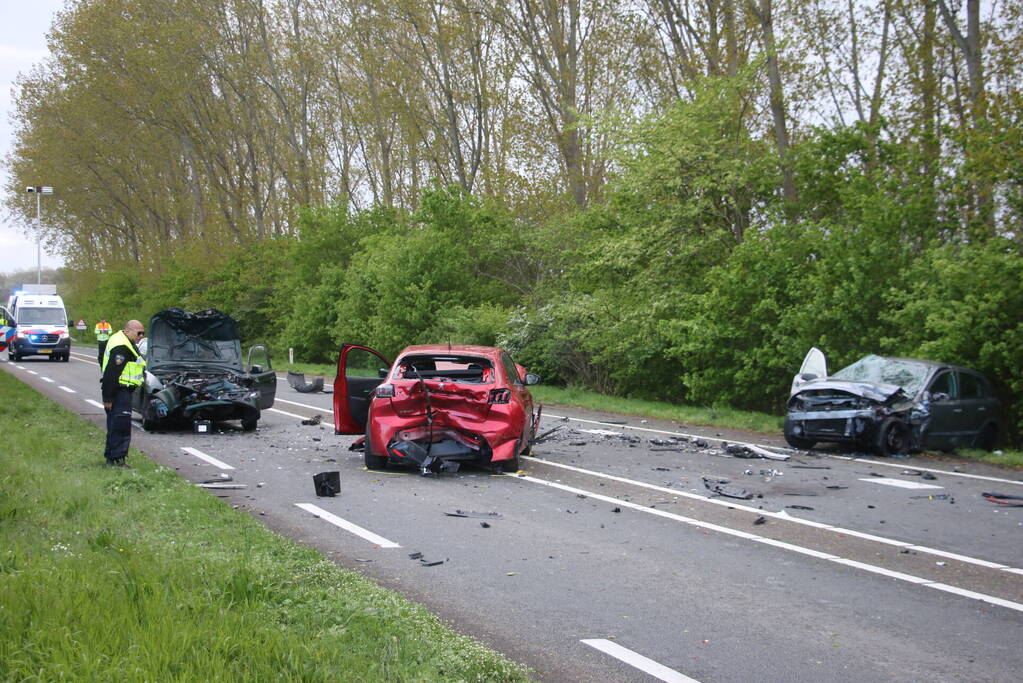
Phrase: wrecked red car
(436, 407)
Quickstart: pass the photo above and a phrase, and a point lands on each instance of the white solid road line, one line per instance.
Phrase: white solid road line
(208, 458)
(285, 412)
(634, 659)
(348, 526)
(68, 389)
(899, 483)
(783, 515)
(744, 443)
(772, 542)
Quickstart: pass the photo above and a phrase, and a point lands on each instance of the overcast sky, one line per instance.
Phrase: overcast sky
(23, 28)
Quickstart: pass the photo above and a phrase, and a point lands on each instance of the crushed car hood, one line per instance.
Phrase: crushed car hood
(177, 336)
(869, 390)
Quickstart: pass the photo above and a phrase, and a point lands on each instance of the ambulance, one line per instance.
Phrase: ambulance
(36, 324)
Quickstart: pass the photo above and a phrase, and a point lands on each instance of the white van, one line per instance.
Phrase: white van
(38, 322)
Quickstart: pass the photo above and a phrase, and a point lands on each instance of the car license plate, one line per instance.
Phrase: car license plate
(45, 350)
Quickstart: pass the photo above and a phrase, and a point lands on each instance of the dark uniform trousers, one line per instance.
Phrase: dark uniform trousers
(119, 426)
(102, 348)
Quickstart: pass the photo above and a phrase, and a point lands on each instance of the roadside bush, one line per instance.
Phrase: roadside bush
(963, 304)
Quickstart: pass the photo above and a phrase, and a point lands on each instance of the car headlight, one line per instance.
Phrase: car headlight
(22, 335)
(64, 335)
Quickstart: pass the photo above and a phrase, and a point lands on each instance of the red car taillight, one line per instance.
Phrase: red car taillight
(499, 396)
(384, 391)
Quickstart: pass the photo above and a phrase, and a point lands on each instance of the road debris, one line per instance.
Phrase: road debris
(481, 515)
(799, 507)
(721, 488)
(314, 420)
(543, 437)
(298, 382)
(1004, 499)
(327, 484)
(759, 520)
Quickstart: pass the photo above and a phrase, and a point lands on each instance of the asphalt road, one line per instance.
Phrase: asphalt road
(607, 558)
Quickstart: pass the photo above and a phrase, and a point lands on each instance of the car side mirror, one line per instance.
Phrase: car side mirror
(532, 378)
(808, 376)
(382, 373)
(257, 368)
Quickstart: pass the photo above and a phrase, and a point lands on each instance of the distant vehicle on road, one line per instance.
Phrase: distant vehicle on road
(891, 405)
(37, 324)
(437, 406)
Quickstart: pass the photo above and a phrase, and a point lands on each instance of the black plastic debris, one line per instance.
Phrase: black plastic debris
(415, 556)
(1004, 499)
(327, 484)
(484, 525)
(314, 420)
(927, 475)
(298, 382)
(543, 437)
(700, 443)
(738, 451)
(424, 563)
(759, 520)
(836, 488)
(811, 467)
(799, 507)
(576, 443)
(481, 515)
(617, 510)
(721, 488)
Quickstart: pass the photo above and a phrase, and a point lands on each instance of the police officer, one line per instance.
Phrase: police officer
(103, 330)
(123, 373)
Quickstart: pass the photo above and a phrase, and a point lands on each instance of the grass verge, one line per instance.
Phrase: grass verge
(111, 574)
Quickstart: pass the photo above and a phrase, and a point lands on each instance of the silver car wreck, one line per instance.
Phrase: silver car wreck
(194, 371)
(891, 405)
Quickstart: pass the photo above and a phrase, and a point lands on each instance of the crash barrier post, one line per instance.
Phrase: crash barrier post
(291, 356)
(327, 484)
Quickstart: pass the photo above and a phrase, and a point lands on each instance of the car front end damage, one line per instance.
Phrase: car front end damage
(878, 417)
(190, 395)
(439, 425)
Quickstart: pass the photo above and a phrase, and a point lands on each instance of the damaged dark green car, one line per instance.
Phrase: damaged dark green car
(194, 371)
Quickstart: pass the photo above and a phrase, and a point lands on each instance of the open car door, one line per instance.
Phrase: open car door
(259, 367)
(814, 366)
(358, 374)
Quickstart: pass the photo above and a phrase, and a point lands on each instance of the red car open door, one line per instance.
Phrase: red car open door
(360, 370)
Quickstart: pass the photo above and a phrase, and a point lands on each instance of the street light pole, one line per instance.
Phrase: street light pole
(38, 191)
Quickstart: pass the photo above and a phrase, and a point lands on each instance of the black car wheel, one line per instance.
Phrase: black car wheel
(373, 461)
(148, 423)
(249, 423)
(892, 437)
(796, 441)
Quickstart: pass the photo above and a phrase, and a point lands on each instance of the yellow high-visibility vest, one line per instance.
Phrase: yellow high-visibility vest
(134, 372)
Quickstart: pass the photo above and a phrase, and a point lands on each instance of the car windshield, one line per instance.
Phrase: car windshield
(902, 373)
(41, 316)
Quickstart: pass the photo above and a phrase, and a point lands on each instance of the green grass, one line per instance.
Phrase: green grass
(693, 415)
(111, 574)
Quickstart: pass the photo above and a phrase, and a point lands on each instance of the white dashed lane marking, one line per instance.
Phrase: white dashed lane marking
(208, 458)
(634, 659)
(899, 483)
(348, 526)
(46, 379)
(67, 389)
